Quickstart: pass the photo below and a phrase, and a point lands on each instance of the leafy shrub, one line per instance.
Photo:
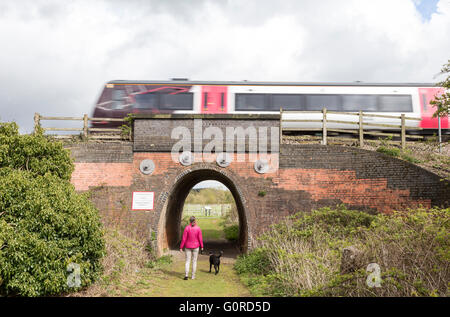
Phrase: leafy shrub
(35, 154)
(231, 232)
(304, 254)
(44, 224)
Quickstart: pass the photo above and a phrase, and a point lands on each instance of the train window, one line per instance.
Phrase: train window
(146, 101)
(359, 102)
(424, 102)
(251, 102)
(181, 101)
(395, 103)
(287, 102)
(118, 98)
(318, 102)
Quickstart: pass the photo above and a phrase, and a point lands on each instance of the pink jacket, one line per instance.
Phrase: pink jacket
(192, 237)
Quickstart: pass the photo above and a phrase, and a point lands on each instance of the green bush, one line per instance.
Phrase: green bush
(35, 154)
(44, 224)
(231, 232)
(302, 254)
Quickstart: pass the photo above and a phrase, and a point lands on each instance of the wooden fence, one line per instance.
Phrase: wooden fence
(85, 131)
(198, 210)
(361, 126)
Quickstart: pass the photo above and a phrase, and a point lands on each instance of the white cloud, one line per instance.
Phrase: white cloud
(56, 55)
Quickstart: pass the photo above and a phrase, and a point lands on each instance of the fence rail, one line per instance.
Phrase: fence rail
(110, 133)
(361, 126)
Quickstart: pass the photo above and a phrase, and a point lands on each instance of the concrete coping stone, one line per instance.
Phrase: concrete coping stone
(221, 116)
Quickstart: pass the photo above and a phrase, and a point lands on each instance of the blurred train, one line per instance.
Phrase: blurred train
(120, 98)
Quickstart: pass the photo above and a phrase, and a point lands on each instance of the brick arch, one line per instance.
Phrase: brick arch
(168, 229)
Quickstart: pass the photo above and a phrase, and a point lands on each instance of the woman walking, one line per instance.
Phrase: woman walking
(192, 240)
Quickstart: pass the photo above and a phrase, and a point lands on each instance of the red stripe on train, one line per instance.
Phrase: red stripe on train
(427, 110)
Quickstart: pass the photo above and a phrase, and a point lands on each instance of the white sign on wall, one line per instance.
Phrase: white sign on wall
(142, 201)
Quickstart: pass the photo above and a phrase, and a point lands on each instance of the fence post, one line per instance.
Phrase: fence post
(403, 132)
(281, 128)
(37, 122)
(361, 129)
(324, 126)
(85, 126)
(439, 133)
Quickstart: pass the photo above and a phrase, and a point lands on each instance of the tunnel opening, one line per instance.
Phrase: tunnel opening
(214, 208)
(172, 222)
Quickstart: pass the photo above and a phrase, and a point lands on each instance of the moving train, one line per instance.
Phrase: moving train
(179, 95)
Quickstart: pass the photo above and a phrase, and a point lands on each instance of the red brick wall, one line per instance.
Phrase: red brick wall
(344, 186)
(88, 175)
(308, 177)
(320, 183)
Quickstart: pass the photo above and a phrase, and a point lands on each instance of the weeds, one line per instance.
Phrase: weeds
(125, 257)
(301, 256)
(396, 152)
(160, 262)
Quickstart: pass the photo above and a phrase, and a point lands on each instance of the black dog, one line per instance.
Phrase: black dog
(214, 260)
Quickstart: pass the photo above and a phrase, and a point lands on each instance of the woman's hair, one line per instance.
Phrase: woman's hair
(192, 219)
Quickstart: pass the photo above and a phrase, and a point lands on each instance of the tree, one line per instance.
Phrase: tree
(51, 240)
(442, 102)
(33, 153)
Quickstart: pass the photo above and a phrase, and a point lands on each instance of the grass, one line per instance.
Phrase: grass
(167, 281)
(217, 229)
(211, 228)
(132, 271)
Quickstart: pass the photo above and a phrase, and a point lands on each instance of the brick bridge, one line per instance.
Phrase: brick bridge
(298, 178)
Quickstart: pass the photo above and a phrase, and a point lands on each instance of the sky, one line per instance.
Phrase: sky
(56, 55)
(210, 184)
